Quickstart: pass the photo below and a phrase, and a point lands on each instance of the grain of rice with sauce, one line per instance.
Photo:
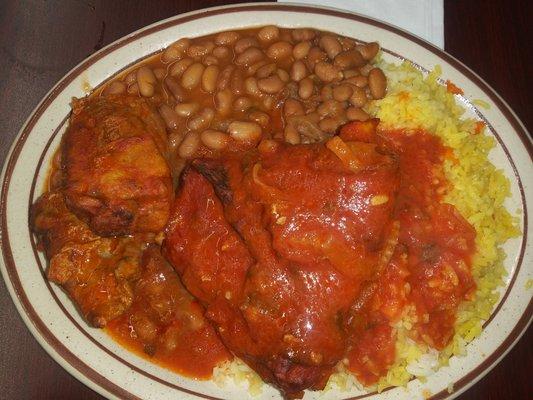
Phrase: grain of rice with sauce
(478, 191)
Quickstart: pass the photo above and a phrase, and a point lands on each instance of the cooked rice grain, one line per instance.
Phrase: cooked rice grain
(478, 191)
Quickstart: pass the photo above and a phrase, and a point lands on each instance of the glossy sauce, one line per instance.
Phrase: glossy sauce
(430, 267)
(166, 325)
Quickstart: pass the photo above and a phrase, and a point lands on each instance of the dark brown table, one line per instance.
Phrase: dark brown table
(41, 40)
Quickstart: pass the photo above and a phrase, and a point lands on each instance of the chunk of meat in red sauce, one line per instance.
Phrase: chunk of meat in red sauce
(438, 240)
(98, 273)
(167, 323)
(430, 267)
(116, 177)
(274, 261)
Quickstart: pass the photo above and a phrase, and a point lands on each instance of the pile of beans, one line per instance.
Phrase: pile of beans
(232, 89)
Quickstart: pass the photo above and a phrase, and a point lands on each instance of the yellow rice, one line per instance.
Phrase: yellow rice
(478, 191)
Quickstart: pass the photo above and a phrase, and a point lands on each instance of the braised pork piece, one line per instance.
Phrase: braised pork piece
(115, 173)
(98, 273)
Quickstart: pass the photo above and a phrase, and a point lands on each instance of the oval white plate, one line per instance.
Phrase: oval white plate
(94, 358)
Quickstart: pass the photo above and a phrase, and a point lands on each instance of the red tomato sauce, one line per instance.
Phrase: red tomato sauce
(431, 264)
(166, 325)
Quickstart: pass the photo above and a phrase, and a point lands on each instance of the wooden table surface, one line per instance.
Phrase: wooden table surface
(41, 40)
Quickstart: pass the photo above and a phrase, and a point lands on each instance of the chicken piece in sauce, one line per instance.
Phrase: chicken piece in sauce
(97, 273)
(278, 248)
(116, 177)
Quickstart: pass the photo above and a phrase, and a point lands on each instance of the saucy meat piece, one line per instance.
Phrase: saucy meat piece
(277, 249)
(116, 177)
(96, 272)
(167, 323)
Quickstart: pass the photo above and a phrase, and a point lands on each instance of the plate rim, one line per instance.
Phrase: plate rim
(93, 379)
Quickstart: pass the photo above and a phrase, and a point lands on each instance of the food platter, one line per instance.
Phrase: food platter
(93, 357)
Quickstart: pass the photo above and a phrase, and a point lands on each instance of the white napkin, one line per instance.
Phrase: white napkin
(424, 18)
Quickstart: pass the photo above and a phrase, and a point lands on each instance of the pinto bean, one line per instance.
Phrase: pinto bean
(221, 52)
(327, 72)
(259, 117)
(266, 70)
(292, 107)
(223, 101)
(236, 83)
(267, 146)
(305, 88)
(169, 116)
(209, 60)
(329, 125)
(270, 85)
(146, 81)
(356, 114)
(347, 43)
(215, 140)
(300, 34)
(242, 104)
(369, 50)
(268, 102)
(186, 109)
(252, 69)
(349, 59)
(179, 67)
(192, 76)
(268, 33)
(242, 44)
(160, 73)
(326, 93)
(315, 55)
(202, 120)
(377, 83)
(175, 88)
(359, 81)
(250, 56)
(342, 92)
(115, 87)
(358, 97)
(330, 45)
(298, 71)
(201, 49)
(349, 73)
(279, 50)
(301, 50)
(189, 145)
(182, 44)
(174, 140)
(365, 69)
(329, 108)
(251, 87)
(171, 54)
(283, 75)
(209, 78)
(224, 77)
(245, 131)
(291, 134)
(226, 38)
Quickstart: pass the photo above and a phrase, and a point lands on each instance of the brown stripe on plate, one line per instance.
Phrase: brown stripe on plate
(101, 381)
